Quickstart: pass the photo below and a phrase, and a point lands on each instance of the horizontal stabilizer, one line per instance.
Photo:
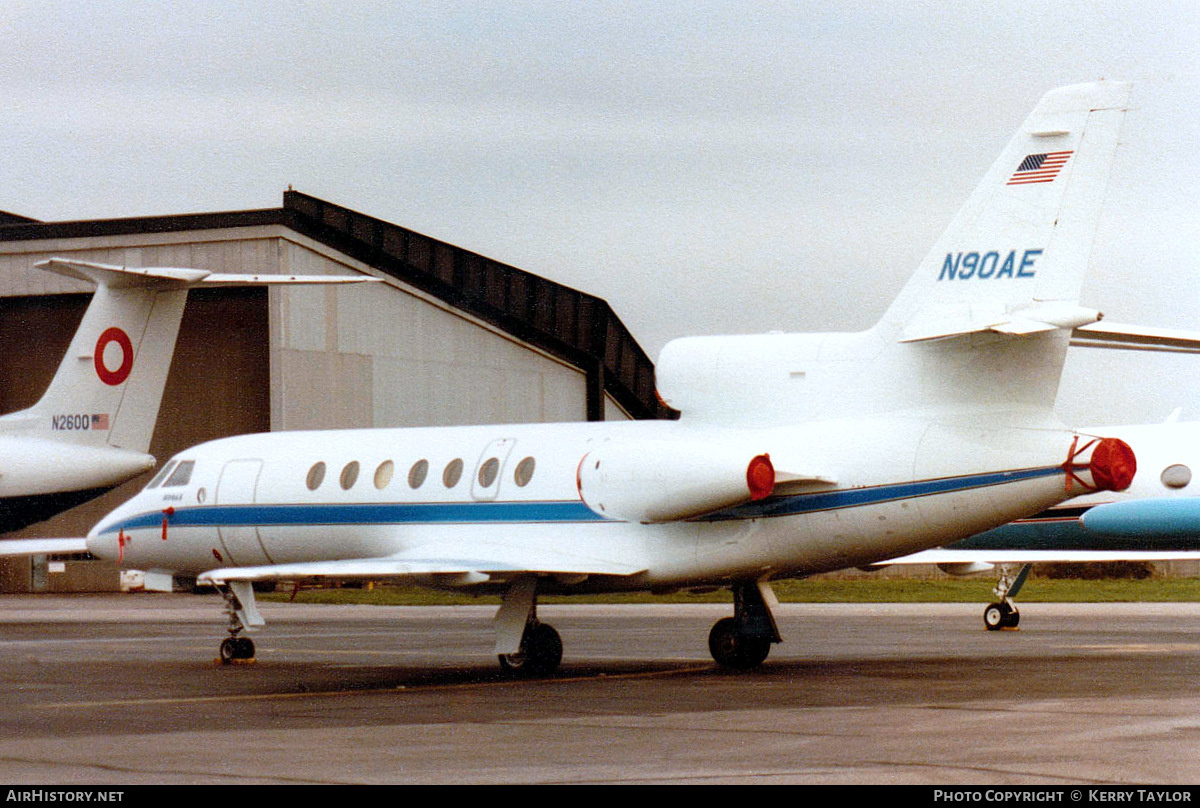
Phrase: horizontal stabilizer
(1120, 336)
(977, 318)
(14, 548)
(178, 277)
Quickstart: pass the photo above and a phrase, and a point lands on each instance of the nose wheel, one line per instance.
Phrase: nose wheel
(243, 616)
(1001, 615)
(236, 648)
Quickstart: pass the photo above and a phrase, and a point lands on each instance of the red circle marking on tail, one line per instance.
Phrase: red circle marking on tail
(114, 377)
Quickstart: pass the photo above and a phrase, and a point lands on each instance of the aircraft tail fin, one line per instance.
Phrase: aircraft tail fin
(1012, 261)
(108, 388)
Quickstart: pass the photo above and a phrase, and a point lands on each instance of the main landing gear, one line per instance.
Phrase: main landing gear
(525, 646)
(743, 641)
(243, 615)
(1004, 613)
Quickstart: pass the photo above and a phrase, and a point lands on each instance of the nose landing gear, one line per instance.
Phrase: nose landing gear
(243, 616)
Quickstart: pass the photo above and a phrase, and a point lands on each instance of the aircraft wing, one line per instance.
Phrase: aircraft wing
(452, 571)
(960, 558)
(12, 548)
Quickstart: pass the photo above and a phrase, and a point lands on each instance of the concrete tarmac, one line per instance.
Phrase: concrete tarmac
(125, 689)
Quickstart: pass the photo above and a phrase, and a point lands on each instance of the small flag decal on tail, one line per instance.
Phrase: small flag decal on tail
(1039, 168)
(100, 421)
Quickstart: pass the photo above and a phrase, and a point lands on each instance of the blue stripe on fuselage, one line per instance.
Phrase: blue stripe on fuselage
(395, 513)
(849, 498)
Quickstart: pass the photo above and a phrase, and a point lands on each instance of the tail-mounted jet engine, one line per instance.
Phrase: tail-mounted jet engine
(664, 481)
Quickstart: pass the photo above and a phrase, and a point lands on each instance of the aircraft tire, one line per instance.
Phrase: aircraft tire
(236, 648)
(999, 615)
(541, 652)
(732, 649)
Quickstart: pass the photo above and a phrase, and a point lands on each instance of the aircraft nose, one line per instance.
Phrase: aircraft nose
(102, 544)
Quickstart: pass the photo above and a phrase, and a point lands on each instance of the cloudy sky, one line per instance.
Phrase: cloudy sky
(707, 167)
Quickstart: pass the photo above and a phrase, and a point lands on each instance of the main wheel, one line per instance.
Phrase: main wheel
(732, 649)
(1000, 615)
(541, 651)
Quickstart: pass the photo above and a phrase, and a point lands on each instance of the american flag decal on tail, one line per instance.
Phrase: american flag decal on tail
(100, 421)
(1039, 168)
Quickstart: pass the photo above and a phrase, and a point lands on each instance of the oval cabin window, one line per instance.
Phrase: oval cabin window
(488, 471)
(316, 476)
(524, 472)
(383, 474)
(453, 473)
(349, 475)
(417, 474)
(1176, 476)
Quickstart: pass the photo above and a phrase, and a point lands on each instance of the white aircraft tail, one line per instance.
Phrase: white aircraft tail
(1013, 259)
(983, 323)
(109, 386)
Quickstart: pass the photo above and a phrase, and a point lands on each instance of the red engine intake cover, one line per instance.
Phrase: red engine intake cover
(1112, 465)
(760, 477)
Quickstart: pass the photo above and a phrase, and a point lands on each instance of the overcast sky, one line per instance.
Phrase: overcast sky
(706, 167)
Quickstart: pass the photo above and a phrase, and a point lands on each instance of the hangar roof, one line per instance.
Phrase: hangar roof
(576, 327)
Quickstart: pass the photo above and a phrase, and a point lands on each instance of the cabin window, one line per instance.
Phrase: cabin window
(162, 475)
(383, 474)
(418, 473)
(1176, 476)
(453, 473)
(524, 472)
(181, 475)
(316, 476)
(488, 471)
(349, 475)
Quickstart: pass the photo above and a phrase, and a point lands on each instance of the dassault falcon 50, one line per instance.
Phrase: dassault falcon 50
(795, 453)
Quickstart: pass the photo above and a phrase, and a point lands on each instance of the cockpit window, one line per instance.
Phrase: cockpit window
(181, 475)
(162, 474)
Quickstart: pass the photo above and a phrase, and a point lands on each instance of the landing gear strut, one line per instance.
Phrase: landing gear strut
(1004, 613)
(525, 646)
(743, 641)
(243, 616)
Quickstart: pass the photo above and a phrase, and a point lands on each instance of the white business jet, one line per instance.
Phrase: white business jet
(795, 453)
(91, 429)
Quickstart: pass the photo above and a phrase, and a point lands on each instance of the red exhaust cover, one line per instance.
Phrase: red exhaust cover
(760, 476)
(1112, 465)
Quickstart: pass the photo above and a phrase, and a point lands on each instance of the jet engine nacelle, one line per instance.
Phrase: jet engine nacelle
(664, 481)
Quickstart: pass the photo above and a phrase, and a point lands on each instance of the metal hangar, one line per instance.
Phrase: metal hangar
(448, 337)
